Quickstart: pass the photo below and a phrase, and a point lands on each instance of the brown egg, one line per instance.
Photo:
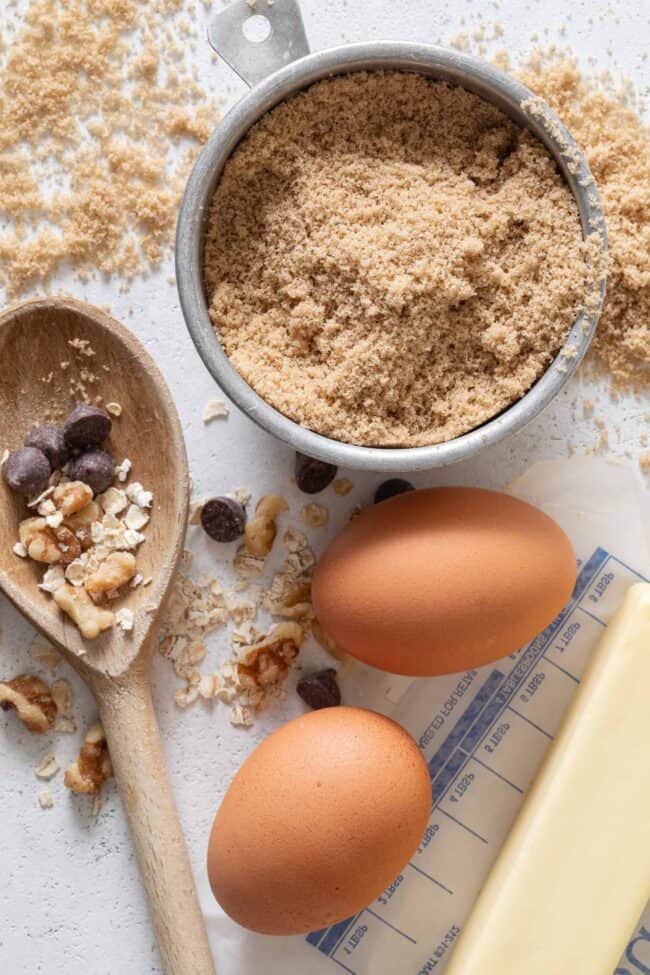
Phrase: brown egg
(318, 821)
(442, 580)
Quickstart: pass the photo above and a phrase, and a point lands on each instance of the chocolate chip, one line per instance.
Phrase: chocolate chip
(391, 488)
(95, 468)
(313, 475)
(49, 439)
(87, 426)
(27, 470)
(223, 519)
(320, 689)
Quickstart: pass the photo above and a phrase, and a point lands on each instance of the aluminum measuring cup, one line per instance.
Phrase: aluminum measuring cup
(279, 67)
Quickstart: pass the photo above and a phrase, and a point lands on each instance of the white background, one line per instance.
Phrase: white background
(70, 899)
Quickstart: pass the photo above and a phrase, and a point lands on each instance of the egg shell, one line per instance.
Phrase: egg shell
(318, 821)
(442, 580)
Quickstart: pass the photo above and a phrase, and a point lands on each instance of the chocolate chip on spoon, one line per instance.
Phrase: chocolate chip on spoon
(87, 426)
(391, 488)
(49, 439)
(223, 519)
(95, 468)
(313, 475)
(320, 689)
(27, 470)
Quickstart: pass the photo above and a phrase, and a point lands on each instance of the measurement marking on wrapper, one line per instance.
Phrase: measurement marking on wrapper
(341, 965)
(389, 925)
(463, 825)
(429, 877)
(531, 723)
(561, 669)
(598, 620)
(498, 775)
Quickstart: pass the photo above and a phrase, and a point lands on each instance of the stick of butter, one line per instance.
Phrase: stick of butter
(573, 877)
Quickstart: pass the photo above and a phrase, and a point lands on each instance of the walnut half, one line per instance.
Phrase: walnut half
(39, 541)
(32, 700)
(92, 768)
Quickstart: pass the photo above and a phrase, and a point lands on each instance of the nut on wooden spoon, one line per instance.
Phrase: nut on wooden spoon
(35, 343)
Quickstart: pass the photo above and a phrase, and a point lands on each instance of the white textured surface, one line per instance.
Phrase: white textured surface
(70, 899)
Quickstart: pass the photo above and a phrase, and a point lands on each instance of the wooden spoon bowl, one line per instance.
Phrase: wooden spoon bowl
(53, 352)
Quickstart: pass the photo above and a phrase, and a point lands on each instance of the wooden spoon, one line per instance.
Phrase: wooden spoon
(36, 339)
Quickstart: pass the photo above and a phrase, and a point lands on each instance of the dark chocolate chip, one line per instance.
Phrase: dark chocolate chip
(391, 488)
(313, 475)
(27, 471)
(49, 439)
(223, 519)
(87, 426)
(320, 689)
(95, 468)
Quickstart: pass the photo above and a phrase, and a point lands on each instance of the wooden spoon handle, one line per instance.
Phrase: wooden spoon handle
(127, 713)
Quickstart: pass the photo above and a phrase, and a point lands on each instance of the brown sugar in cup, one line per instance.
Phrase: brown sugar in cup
(281, 80)
(391, 261)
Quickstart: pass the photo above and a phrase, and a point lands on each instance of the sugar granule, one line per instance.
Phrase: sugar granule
(616, 142)
(99, 124)
(392, 261)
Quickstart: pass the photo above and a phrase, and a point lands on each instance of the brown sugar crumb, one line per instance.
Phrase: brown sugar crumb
(99, 125)
(644, 462)
(616, 143)
(392, 261)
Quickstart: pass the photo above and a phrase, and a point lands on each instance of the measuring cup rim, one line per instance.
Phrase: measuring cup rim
(457, 68)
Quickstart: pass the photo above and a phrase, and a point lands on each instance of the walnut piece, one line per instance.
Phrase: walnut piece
(267, 662)
(32, 700)
(39, 540)
(85, 516)
(90, 619)
(92, 768)
(261, 530)
(114, 572)
(72, 497)
(68, 544)
(48, 544)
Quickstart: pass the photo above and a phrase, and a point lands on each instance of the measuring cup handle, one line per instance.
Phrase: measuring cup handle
(255, 60)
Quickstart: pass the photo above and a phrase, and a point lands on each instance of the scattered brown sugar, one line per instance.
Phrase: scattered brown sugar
(616, 143)
(100, 119)
(392, 261)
